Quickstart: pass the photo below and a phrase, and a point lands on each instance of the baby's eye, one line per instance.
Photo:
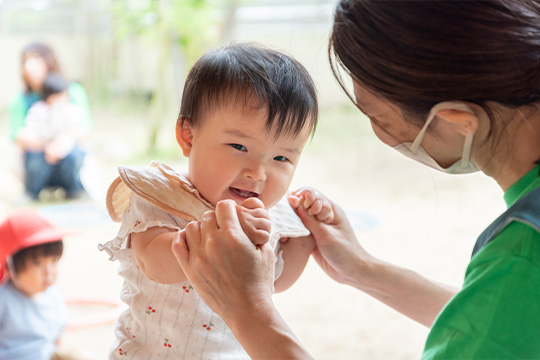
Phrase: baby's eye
(280, 158)
(239, 147)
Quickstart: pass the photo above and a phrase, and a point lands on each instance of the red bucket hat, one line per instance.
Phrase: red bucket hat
(24, 228)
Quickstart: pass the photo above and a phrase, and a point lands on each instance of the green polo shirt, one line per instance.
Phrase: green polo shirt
(496, 315)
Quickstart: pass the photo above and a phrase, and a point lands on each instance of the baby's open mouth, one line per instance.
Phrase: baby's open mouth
(243, 193)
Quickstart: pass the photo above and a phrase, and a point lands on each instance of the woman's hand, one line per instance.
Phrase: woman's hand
(341, 256)
(338, 252)
(230, 273)
(236, 279)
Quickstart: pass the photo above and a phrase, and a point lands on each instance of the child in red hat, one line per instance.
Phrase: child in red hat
(32, 312)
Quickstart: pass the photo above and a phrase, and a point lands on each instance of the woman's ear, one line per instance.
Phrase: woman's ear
(466, 122)
(184, 135)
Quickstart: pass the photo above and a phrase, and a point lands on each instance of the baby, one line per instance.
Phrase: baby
(32, 312)
(54, 128)
(246, 114)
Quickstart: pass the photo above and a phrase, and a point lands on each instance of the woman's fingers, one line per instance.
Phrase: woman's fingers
(226, 215)
(222, 263)
(193, 234)
(180, 248)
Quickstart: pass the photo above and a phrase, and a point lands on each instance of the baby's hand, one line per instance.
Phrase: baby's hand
(255, 220)
(317, 204)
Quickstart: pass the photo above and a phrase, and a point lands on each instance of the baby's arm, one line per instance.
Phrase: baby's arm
(152, 251)
(296, 252)
(152, 248)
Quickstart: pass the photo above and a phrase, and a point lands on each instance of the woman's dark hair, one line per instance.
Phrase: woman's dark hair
(21, 258)
(44, 52)
(54, 84)
(418, 53)
(241, 72)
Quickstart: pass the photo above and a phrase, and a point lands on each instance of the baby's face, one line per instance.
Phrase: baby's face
(38, 275)
(233, 156)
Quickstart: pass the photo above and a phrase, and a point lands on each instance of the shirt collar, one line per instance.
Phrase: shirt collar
(523, 186)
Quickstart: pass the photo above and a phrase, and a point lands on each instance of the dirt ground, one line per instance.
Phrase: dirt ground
(401, 211)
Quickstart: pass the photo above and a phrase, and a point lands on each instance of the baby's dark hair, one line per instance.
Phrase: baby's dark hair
(245, 71)
(20, 259)
(54, 83)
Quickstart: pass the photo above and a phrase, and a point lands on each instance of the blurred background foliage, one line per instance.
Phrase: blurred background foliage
(180, 30)
(133, 55)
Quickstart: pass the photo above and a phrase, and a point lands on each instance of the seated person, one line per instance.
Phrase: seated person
(52, 130)
(37, 61)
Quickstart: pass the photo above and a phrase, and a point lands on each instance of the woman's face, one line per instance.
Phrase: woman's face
(34, 70)
(386, 120)
(441, 141)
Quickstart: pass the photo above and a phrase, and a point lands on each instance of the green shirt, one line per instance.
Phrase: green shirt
(496, 315)
(22, 102)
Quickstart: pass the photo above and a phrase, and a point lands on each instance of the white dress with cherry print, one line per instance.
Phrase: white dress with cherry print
(170, 321)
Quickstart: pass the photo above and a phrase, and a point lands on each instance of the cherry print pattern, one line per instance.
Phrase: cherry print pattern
(127, 328)
(209, 326)
(150, 310)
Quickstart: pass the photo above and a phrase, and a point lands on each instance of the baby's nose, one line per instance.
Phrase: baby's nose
(256, 171)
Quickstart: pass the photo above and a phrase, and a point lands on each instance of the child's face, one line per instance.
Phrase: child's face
(37, 276)
(233, 156)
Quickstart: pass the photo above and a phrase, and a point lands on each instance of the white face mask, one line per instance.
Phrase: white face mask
(416, 152)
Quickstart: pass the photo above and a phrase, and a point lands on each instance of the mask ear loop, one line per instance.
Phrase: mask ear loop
(416, 144)
(466, 157)
(432, 113)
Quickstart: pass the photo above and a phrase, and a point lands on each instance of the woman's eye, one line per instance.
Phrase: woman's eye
(280, 158)
(239, 147)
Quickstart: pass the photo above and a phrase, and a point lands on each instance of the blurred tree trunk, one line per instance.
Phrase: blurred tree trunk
(160, 101)
(180, 30)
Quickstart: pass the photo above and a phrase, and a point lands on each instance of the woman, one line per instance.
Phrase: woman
(44, 164)
(456, 86)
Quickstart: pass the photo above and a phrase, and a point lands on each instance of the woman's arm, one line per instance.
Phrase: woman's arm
(341, 256)
(235, 278)
(404, 290)
(265, 335)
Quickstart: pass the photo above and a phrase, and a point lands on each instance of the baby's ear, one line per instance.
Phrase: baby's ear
(184, 134)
